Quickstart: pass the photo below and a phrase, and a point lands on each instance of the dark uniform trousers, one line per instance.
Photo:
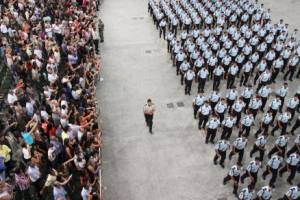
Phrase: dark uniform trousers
(201, 84)
(239, 151)
(202, 120)
(246, 101)
(276, 149)
(178, 63)
(263, 128)
(290, 168)
(216, 83)
(230, 81)
(274, 112)
(196, 108)
(222, 155)
(149, 121)
(238, 116)
(235, 185)
(246, 175)
(274, 175)
(188, 86)
(226, 133)
(261, 152)
(246, 129)
(294, 149)
(263, 103)
(210, 135)
(182, 76)
(290, 71)
(244, 78)
(283, 128)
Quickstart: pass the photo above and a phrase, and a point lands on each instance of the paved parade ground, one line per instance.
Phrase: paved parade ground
(174, 163)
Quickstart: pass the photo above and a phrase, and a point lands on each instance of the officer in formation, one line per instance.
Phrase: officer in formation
(234, 175)
(252, 171)
(230, 40)
(230, 43)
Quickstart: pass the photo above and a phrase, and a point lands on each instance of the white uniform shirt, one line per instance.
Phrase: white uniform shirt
(240, 143)
(293, 193)
(204, 109)
(247, 120)
(275, 162)
(213, 123)
(203, 73)
(265, 192)
(253, 166)
(222, 145)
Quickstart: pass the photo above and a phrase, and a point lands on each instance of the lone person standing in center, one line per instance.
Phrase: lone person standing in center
(149, 110)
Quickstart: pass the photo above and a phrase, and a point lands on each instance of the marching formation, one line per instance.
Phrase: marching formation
(235, 44)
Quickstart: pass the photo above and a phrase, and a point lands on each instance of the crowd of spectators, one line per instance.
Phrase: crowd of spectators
(236, 43)
(50, 138)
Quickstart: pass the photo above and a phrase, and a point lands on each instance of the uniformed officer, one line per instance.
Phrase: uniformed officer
(282, 122)
(183, 69)
(183, 36)
(286, 53)
(252, 171)
(264, 124)
(149, 110)
(246, 194)
(277, 67)
(291, 165)
(189, 77)
(234, 175)
(246, 123)
(255, 105)
(202, 77)
(170, 36)
(260, 68)
(162, 28)
(220, 148)
(265, 193)
(211, 129)
(280, 145)
(231, 96)
(291, 194)
(174, 25)
(274, 106)
(264, 93)
(259, 145)
(238, 146)
(214, 99)
(220, 109)
(247, 93)
(232, 73)
(295, 147)
(282, 92)
(203, 114)
(227, 125)
(198, 102)
(212, 62)
(237, 109)
(247, 67)
(292, 65)
(273, 167)
(292, 105)
(264, 79)
(180, 57)
(218, 75)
